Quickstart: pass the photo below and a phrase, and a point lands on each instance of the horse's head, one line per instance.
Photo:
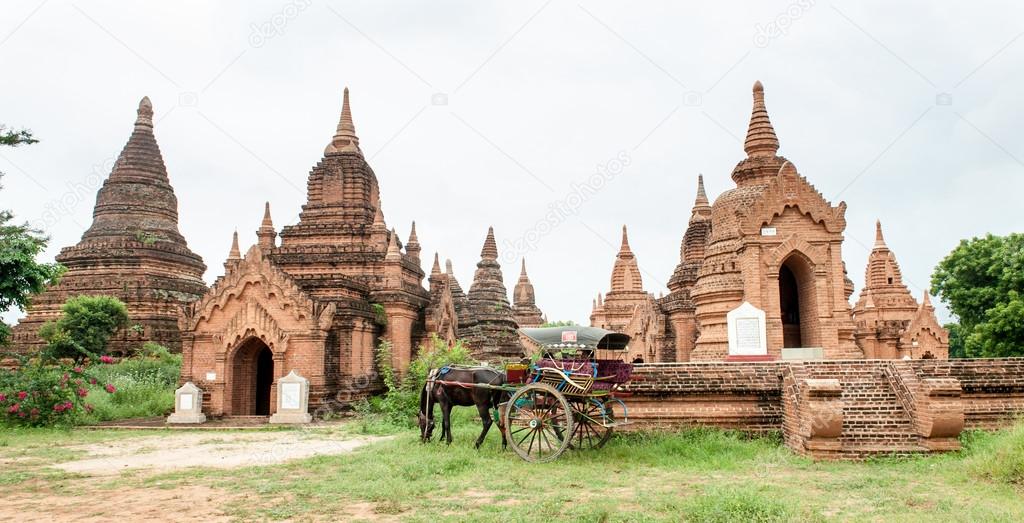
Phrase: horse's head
(426, 427)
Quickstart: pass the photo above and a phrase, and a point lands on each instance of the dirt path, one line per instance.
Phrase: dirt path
(37, 499)
(216, 450)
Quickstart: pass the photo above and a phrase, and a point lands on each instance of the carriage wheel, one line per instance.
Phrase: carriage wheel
(589, 431)
(539, 421)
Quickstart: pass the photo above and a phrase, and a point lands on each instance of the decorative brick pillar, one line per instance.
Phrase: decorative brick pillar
(940, 413)
(812, 414)
(401, 318)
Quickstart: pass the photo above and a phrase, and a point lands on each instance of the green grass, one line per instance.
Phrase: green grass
(693, 475)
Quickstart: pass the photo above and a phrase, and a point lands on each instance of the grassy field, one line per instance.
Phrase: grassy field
(695, 475)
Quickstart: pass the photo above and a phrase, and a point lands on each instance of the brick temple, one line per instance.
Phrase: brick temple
(319, 300)
(317, 297)
(133, 251)
(775, 242)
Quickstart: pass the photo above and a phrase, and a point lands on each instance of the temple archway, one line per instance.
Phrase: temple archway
(797, 303)
(252, 378)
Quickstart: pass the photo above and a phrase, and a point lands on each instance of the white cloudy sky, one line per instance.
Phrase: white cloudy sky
(908, 112)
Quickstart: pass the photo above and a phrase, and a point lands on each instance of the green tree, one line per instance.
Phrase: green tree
(84, 328)
(982, 282)
(956, 341)
(12, 138)
(20, 274)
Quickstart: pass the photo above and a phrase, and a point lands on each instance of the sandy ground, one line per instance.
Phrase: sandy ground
(220, 450)
(36, 500)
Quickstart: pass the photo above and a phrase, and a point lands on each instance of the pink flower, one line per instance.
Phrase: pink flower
(110, 388)
(106, 359)
(68, 405)
(92, 381)
(22, 395)
(3, 398)
(59, 407)
(82, 393)
(78, 370)
(14, 408)
(21, 414)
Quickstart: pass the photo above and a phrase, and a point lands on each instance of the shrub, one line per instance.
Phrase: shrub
(144, 384)
(85, 326)
(401, 399)
(39, 393)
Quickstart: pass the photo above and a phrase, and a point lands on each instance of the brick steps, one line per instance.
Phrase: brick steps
(875, 422)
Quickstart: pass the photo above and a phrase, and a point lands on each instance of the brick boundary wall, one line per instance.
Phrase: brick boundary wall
(887, 406)
(992, 389)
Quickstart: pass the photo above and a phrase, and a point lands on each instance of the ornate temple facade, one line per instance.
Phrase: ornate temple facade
(318, 301)
(890, 322)
(773, 241)
(627, 308)
(133, 251)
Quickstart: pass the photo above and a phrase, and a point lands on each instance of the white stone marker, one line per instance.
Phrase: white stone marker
(747, 331)
(292, 400)
(188, 405)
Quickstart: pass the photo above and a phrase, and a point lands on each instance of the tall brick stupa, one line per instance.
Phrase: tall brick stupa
(133, 251)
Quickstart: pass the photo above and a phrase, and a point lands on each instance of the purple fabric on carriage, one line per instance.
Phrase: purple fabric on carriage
(619, 371)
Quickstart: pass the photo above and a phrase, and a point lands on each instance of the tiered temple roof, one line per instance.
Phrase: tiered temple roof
(524, 301)
(133, 251)
(491, 333)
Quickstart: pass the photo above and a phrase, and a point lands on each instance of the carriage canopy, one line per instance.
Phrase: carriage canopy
(576, 337)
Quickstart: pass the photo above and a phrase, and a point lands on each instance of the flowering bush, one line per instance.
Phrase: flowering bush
(39, 393)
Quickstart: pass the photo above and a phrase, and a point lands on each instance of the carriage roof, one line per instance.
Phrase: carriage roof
(577, 337)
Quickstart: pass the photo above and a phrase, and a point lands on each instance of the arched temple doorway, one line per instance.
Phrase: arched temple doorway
(252, 378)
(797, 306)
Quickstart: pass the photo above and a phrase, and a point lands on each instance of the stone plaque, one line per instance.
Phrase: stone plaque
(292, 400)
(748, 334)
(188, 405)
(185, 401)
(747, 331)
(290, 395)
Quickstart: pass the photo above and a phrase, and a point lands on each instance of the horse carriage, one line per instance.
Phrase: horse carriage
(565, 399)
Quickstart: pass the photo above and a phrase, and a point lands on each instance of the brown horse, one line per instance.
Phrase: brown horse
(455, 386)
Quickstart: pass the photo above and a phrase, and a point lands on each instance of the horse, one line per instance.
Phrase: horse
(451, 386)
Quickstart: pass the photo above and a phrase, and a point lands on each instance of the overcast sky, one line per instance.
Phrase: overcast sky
(477, 113)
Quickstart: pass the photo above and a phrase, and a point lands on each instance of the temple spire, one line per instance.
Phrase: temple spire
(701, 206)
(394, 252)
(145, 113)
(522, 272)
(702, 197)
(436, 269)
(761, 139)
(345, 139)
(412, 247)
(490, 249)
(235, 253)
(626, 272)
(266, 234)
(879, 239)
